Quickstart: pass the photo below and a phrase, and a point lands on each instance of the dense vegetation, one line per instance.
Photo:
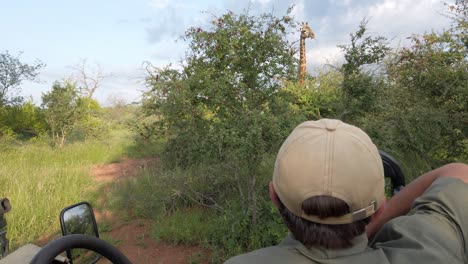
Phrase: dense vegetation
(41, 180)
(223, 114)
(236, 98)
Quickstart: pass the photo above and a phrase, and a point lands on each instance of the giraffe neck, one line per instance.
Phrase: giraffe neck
(302, 62)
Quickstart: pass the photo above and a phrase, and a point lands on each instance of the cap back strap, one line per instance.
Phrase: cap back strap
(344, 219)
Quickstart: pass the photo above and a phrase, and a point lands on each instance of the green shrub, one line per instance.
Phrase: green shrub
(40, 180)
(224, 119)
(189, 226)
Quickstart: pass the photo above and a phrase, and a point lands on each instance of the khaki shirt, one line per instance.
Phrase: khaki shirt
(434, 231)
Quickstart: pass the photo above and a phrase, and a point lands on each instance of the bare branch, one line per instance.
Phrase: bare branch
(88, 78)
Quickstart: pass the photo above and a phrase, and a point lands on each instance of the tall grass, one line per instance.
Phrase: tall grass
(171, 198)
(40, 180)
(200, 206)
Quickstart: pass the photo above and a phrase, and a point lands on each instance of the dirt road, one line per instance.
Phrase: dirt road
(133, 237)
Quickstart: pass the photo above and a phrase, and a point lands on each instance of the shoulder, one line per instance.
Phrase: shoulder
(445, 198)
(258, 256)
(274, 254)
(434, 230)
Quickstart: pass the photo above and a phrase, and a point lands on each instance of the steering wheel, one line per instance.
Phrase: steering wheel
(52, 249)
(393, 171)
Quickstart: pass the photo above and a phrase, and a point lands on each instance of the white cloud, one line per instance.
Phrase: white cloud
(298, 10)
(331, 20)
(130, 89)
(168, 50)
(159, 4)
(398, 18)
(323, 55)
(340, 2)
(125, 81)
(263, 2)
(172, 22)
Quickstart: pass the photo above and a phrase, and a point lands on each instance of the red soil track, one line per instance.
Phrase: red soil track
(134, 238)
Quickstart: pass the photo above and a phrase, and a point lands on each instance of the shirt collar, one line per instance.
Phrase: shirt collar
(359, 245)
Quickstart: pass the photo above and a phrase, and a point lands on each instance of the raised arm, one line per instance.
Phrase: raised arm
(400, 204)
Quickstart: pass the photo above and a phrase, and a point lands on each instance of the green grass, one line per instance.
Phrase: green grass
(195, 258)
(169, 198)
(152, 148)
(186, 226)
(40, 180)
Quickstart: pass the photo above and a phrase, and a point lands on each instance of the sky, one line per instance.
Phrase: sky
(120, 35)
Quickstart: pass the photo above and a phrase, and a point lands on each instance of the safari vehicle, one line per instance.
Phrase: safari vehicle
(80, 231)
(77, 219)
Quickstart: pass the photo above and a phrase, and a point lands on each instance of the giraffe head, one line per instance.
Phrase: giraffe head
(306, 31)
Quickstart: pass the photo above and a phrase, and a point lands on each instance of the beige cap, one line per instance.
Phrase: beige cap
(329, 157)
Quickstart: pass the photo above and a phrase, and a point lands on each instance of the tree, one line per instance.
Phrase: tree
(360, 88)
(62, 110)
(90, 123)
(12, 73)
(422, 108)
(432, 73)
(89, 79)
(318, 98)
(25, 119)
(458, 12)
(220, 108)
(363, 49)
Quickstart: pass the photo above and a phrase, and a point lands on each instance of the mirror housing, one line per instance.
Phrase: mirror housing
(5, 207)
(79, 219)
(393, 171)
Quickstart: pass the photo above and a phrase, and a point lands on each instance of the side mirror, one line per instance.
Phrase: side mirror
(79, 219)
(393, 171)
(5, 207)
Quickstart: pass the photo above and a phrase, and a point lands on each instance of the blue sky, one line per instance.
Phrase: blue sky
(120, 35)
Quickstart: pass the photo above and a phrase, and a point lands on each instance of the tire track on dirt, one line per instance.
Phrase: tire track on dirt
(134, 238)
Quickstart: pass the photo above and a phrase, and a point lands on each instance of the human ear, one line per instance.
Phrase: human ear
(273, 196)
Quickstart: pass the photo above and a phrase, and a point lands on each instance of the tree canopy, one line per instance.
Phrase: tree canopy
(12, 73)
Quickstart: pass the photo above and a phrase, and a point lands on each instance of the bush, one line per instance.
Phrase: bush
(25, 120)
(224, 118)
(200, 205)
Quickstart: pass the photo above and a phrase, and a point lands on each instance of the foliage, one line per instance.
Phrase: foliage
(120, 115)
(420, 104)
(184, 211)
(40, 180)
(7, 137)
(61, 106)
(458, 12)
(360, 87)
(189, 226)
(224, 117)
(363, 50)
(90, 124)
(25, 120)
(432, 75)
(145, 126)
(66, 112)
(319, 98)
(12, 73)
(218, 109)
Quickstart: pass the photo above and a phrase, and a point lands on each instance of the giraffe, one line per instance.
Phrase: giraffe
(306, 32)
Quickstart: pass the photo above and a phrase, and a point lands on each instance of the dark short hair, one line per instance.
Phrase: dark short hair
(312, 234)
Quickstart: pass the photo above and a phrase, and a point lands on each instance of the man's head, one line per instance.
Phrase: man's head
(328, 174)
